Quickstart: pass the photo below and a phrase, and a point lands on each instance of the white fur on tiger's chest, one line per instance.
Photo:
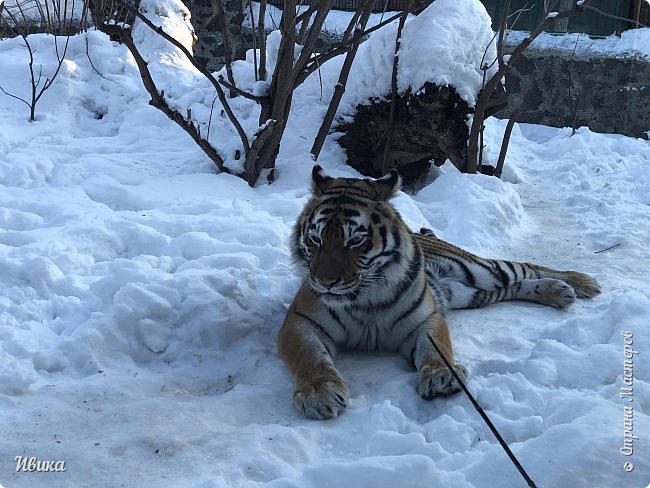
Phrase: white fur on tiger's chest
(371, 326)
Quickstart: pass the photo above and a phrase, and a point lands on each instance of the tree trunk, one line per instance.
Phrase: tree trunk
(275, 111)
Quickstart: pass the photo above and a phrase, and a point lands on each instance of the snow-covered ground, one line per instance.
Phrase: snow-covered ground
(141, 294)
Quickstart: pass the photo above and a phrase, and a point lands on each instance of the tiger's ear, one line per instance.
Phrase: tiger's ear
(388, 185)
(319, 180)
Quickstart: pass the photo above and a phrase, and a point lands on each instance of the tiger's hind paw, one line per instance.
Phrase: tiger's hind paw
(439, 381)
(324, 398)
(584, 285)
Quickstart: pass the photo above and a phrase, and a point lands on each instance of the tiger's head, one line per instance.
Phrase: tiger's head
(349, 239)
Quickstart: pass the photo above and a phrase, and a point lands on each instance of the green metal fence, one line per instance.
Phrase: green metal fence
(603, 19)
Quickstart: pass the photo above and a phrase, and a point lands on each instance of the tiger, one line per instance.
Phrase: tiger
(370, 283)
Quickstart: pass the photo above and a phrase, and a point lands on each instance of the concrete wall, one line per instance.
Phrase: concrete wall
(558, 88)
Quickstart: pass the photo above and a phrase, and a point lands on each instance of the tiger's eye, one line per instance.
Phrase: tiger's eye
(356, 241)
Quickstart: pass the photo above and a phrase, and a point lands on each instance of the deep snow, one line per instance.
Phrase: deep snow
(141, 293)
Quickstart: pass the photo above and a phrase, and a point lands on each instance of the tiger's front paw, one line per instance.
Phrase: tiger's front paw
(555, 293)
(438, 381)
(323, 398)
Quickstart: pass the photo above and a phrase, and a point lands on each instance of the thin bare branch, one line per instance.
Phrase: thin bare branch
(490, 87)
(573, 98)
(227, 49)
(314, 31)
(92, 65)
(25, 21)
(383, 10)
(15, 96)
(210, 118)
(61, 58)
(316, 61)
(304, 18)
(498, 170)
(364, 12)
(157, 97)
(261, 41)
(637, 13)
(250, 7)
(241, 92)
(484, 66)
(518, 13)
(388, 144)
(35, 80)
(616, 17)
(41, 13)
(608, 248)
(252, 160)
(352, 25)
(49, 16)
(276, 109)
(222, 96)
(502, 33)
(544, 25)
(62, 20)
(84, 15)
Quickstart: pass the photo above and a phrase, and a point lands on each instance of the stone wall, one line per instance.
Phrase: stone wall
(563, 89)
(209, 49)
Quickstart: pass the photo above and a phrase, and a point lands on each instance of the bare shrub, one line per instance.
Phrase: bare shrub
(56, 18)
